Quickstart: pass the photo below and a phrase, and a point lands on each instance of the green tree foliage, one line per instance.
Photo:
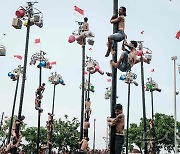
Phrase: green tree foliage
(30, 136)
(164, 129)
(66, 134)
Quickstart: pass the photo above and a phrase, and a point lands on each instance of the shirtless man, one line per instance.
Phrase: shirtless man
(128, 58)
(118, 122)
(120, 35)
(85, 32)
(15, 123)
(84, 145)
(86, 126)
(39, 96)
(88, 107)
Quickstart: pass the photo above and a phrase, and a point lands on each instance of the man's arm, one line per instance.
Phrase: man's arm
(116, 20)
(123, 46)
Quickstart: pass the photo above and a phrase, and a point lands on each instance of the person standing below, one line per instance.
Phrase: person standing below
(119, 35)
(118, 122)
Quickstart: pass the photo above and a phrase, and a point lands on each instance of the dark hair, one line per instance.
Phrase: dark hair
(88, 99)
(85, 19)
(124, 10)
(22, 117)
(118, 106)
(43, 84)
(87, 138)
(134, 43)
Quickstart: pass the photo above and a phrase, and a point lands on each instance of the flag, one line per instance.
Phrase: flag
(86, 73)
(79, 10)
(37, 40)
(18, 56)
(178, 35)
(153, 70)
(108, 80)
(142, 32)
(53, 63)
(147, 52)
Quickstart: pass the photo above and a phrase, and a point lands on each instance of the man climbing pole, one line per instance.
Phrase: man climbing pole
(119, 35)
(118, 122)
(84, 32)
(16, 139)
(128, 58)
(39, 96)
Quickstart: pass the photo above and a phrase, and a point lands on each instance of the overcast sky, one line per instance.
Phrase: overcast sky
(159, 19)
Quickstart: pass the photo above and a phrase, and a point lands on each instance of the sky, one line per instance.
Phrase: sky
(159, 19)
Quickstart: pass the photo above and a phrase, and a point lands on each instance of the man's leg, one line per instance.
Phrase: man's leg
(109, 44)
(119, 141)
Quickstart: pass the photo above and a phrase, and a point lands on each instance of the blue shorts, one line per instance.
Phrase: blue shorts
(119, 36)
(124, 66)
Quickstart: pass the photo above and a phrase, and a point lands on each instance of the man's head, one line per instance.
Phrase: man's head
(122, 11)
(133, 44)
(85, 19)
(43, 84)
(118, 109)
(87, 138)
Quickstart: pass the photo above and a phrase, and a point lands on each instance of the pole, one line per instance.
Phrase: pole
(82, 98)
(39, 113)
(128, 118)
(23, 77)
(153, 128)
(50, 146)
(89, 78)
(144, 108)
(13, 108)
(114, 83)
(152, 104)
(1, 120)
(94, 138)
(175, 125)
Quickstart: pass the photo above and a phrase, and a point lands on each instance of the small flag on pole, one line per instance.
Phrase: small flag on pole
(86, 73)
(18, 56)
(178, 35)
(53, 63)
(77, 9)
(37, 40)
(108, 80)
(153, 70)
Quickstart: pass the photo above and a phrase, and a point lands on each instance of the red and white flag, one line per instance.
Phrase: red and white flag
(153, 70)
(86, 73)
(18, 56)
(178, 35)
(108, 80)
(37, 40)
(53, 63)
(80, 11)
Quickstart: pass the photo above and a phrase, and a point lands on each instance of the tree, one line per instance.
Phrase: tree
(164, 129)
(30, 136)
(66, 134)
